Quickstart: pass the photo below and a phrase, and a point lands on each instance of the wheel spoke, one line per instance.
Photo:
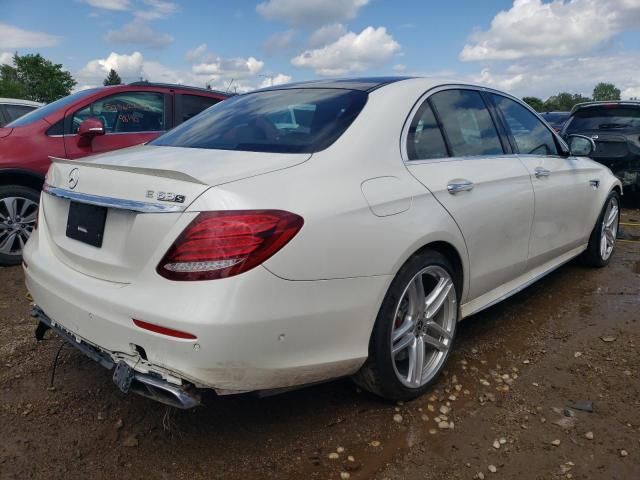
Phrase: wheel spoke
(438, 296)
(610, 238)
(613, 215)
(399, 332)
(31, 218)
(11, 204)
(416, 361)
(416, 298)
(7, 244)
(403, 343)
(431, 325)
(435, 343)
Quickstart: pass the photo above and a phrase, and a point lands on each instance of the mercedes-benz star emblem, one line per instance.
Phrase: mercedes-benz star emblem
(73, 178)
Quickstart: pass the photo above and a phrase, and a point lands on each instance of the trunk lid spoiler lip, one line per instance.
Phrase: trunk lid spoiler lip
(156, 172)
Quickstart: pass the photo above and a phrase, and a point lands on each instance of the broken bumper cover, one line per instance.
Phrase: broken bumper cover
(125, 377)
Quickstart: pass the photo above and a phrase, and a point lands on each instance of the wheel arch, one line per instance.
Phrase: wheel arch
(451, 253)
(24, 178)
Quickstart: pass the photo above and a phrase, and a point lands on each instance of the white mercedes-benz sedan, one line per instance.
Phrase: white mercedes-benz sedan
(311, 231)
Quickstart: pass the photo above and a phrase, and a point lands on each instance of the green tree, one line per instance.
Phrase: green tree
(35, 78)
(10, 86)
(534, 102)
(112, 78)
(606, 91)
(563, 101)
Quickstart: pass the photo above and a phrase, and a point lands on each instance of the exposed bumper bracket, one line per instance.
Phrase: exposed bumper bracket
(126, 378)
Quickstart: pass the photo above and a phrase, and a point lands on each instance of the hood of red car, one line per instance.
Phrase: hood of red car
(4, 132)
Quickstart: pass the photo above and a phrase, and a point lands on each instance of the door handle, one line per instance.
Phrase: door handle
(541, 172)
(456, 186)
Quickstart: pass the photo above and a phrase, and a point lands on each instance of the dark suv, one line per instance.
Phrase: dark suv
(615, 128)
(84, 123)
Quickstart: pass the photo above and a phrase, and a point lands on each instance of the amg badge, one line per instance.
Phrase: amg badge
(166, 196)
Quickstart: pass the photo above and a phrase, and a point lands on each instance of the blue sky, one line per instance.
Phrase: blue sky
(528, 47)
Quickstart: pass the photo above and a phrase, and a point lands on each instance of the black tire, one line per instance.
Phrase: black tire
(593, 255)
(28, 194)
(378, 374)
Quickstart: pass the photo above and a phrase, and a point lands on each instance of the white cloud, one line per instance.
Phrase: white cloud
(217, 68)
(156, 9)
(15, 37)
(310, 12)
(631, 92)
(6, 58)
(399, 67)
(129, 67)
(109, 4)
(138, 33)
(279, 41)
(532, 28)
(543, 78)
(350, 53)
(327, 34)
(279, 79)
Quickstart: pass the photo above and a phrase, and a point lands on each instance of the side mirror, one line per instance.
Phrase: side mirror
(581, 146)
(89, 128)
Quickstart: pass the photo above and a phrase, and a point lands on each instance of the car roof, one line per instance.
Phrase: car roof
(632, 103)
(364, 84)
(180, 87)
(20, 101)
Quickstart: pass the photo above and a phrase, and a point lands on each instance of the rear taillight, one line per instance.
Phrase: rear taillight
(222, 244)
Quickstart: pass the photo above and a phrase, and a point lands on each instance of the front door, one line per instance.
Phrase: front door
(561, 185)
(129, 118)
(454, 149)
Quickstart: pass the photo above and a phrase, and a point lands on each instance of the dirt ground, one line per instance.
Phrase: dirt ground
(518, 367)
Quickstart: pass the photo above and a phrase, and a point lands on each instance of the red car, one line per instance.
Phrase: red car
(84, 123)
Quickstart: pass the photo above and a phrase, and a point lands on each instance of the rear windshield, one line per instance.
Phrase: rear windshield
(302, 120)
(555, 117)
(50, 108)
(605, 118)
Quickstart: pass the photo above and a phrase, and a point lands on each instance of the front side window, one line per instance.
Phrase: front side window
(467, 123)
(531, 135)
(299, 120)
(425, 138)
(130, 112)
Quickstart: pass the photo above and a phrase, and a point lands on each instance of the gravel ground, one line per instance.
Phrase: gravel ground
(504, 403)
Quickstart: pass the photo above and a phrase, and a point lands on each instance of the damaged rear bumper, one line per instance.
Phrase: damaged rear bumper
(125, 377)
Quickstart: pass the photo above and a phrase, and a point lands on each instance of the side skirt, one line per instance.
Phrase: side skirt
(514, 286)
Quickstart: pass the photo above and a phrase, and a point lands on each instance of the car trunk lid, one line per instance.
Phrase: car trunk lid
(143, 194)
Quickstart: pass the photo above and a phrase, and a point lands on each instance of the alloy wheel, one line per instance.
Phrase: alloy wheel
(609, 228)
(424, 324)
(17, 219)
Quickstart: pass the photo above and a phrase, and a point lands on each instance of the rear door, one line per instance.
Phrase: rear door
(454, 148)
(129, 118)
(562, 188)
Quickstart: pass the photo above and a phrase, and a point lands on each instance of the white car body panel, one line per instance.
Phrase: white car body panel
(306, 314)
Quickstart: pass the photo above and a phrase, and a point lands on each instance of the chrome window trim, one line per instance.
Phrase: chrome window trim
(414, 110)
(110, 202)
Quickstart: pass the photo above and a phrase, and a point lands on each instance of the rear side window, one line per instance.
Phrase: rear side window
(188, 106)
(531, 135)
(130, 112)
(16, 111)
(606, 117)
(467, 124)
(303, 120)
(425, 138)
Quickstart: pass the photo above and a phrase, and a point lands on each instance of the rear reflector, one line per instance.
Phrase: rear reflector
(163, 330)
(223, 244)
